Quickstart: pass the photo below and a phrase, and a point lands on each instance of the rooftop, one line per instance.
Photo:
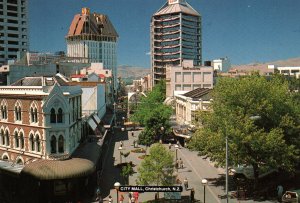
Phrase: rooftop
(197, 93)
(180, 7)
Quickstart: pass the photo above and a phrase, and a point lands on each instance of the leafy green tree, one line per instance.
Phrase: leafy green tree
(127, 171)
(153, 114)
(157, 167)
(272, 140)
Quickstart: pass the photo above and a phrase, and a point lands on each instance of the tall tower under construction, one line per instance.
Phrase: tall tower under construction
(175, 36)
(93, 38)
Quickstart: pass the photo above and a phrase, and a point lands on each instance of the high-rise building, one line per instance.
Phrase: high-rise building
(175, 36)
(13, 29)
(92, 36)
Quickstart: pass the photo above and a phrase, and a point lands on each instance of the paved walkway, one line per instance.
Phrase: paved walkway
(195, 169)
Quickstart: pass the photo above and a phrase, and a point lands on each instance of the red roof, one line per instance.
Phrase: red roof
(101, 76)
(78, 76)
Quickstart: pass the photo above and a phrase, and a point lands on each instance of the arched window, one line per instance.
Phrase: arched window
(3, 109)
(16, 137)
(31, 140)
(18, 111)
(36, 115)
(52, 116)
(60, 116)
(53, 144)
(2, 137)
(61, 144)
(5, 158)
(20, 162)
(21, 140)
(38, 143)
(7, 137)
(31, 115)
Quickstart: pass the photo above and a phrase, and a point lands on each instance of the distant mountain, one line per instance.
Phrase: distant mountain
(263, 67)
(132, 72)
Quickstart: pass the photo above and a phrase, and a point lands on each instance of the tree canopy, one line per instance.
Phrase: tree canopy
(270, 140)
(153, 114)
(157, 167)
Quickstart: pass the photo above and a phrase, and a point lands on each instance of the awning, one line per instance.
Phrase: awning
(59, 169)
(97, 119)
(92, 123)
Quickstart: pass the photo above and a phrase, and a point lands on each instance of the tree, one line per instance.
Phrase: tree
(271, 141)
(153, 114)
(157, 168)
(127, 171)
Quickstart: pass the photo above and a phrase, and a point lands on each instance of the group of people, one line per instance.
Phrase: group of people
(133, 197)
(179, 163)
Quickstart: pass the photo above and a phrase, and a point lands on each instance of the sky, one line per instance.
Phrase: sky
(246, 31)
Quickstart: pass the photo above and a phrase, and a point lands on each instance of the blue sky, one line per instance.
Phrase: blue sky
(244, 30)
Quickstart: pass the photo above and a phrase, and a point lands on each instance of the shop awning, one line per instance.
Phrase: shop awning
(92, 123)
(59, 169)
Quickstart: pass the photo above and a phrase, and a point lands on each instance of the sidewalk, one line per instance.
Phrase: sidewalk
(195, 169)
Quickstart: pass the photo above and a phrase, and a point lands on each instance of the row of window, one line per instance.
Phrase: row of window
(34, 142)
(18, 111)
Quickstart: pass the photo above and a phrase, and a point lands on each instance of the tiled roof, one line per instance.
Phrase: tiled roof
(78, 76)
(197, 93)
(101, 76)
(94, 24)
(183, 7)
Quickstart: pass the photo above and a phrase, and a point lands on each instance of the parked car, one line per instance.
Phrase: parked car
(290, 197)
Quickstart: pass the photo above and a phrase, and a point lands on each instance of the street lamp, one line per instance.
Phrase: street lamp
(204, 183)
(117, 186)
(115, 113)
(176, 149)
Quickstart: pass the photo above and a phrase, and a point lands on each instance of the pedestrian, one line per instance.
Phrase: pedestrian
(121, 199)
(121, 144)
(279, 192)
(177, 163)
(110, 200)
(136, 197)
(132, 133)
(133, 143)
(129, 197)
(97, 194)
(181, 163)
(186, 183)
(192, 195)
(170, 145)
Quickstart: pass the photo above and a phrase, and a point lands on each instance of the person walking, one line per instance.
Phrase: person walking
(129, 197)
(110, 200)
(136, 197)
(186, 183)
(180, 163)
(132, 133)
(121, 199)
(192, 195)
(170, 145)
(121, 144)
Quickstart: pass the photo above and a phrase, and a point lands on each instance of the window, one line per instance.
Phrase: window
(53, 144)
(2, 137)
(31, 140)
(33, 113)
(16, 137)
(38, 143)
(61, 144)
(3, 109)
(21, 140)
(18, 111)
(7, 138)
(52, 116)
(60, 116)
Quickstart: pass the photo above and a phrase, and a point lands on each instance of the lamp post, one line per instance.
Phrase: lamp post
(176, 149)
(115, 113)
(204, 183)
(117, 186)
